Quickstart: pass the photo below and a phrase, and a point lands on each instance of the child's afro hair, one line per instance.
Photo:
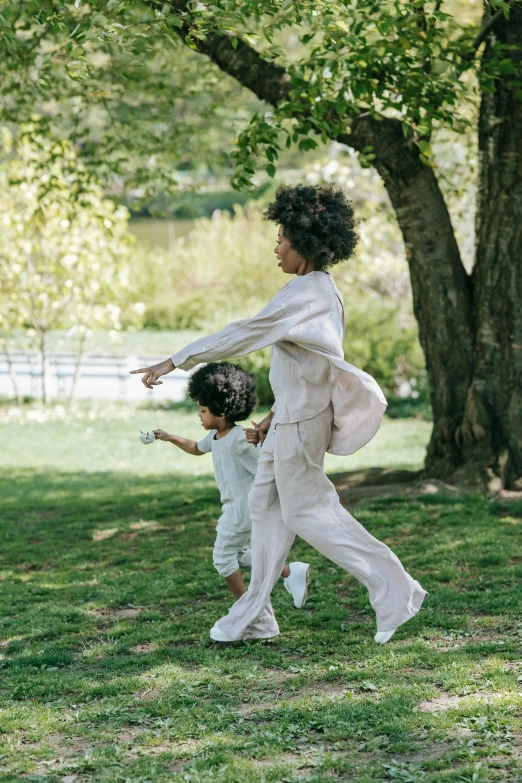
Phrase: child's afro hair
(318, 222)
(225, 389)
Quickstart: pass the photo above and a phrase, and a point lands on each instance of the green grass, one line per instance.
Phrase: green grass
(107, 592)
(100, 436)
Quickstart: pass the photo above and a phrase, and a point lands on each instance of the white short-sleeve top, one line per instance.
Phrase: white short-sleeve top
(235, 465)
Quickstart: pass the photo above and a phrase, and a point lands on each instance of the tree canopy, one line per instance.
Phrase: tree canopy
(119, 78)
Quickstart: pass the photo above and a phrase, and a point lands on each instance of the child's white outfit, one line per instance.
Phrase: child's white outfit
(322, 404)
(235, 465)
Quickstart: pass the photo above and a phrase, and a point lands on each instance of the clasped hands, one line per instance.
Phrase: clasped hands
(257, 434)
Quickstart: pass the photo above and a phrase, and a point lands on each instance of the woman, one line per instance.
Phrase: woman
(322, 403)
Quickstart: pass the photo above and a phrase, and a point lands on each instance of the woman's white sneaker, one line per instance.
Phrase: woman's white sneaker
(298, 583)
(381, 637)
(217, 635)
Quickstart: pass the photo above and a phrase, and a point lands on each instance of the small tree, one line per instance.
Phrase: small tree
(64, 249)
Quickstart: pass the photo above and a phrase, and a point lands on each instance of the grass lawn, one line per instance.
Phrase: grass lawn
(107, 592)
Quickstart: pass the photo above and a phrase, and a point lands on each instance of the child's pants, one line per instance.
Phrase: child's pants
(292, 495)
(231, 551)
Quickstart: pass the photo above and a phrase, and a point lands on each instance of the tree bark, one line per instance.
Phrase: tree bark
(43, 363)
(77, 365)
(490, 435)
(12, 371)
(440, 284)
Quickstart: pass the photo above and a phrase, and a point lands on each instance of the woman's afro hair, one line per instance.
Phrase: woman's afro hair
(318, 222)
(225, 389)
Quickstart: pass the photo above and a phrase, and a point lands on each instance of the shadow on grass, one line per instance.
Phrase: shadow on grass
(107, 592)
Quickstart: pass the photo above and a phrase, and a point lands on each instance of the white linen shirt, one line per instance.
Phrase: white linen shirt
(235, 465)
(304, 323)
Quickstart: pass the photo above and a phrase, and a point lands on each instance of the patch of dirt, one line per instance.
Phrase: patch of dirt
(67, 748)
(508, 494)
(321, 691)
(448, 702)
(425, 752)
(308, 758)
(278, 675)
(458, 640)
(150, 694)
(128, 736)
(357, 485)
(103, 534)
(52, 739)
(147, 525)
(144, 648)
(373, 476)
(129, 613)
(299, 761)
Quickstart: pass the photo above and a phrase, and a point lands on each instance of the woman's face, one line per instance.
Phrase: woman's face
(289, 259)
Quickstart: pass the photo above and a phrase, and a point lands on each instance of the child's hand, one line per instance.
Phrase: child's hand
(161, 434)
(252, 435)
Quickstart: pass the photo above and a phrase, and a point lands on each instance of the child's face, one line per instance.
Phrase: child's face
(208, 420)
(289, 259)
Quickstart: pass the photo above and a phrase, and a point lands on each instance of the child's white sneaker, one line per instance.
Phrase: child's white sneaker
(298, 583)
(244, 558)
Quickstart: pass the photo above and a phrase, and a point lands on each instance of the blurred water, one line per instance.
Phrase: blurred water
(159, 232)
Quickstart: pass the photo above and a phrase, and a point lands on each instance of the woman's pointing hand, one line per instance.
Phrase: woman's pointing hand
(151, 374)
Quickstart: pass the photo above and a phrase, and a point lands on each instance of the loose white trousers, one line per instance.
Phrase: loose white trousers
(291, 495)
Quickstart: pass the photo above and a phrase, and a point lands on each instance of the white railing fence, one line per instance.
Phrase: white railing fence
(104, 377)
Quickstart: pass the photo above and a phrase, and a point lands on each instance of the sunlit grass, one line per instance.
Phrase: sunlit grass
(102, 435)
(107, 593)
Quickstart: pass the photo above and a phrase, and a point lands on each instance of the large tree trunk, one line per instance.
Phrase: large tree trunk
(490, 436)
(440, 284)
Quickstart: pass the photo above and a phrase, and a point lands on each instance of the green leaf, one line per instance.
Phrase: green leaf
(190, 43)
(270, 169)
(340, 105)
(425, 148)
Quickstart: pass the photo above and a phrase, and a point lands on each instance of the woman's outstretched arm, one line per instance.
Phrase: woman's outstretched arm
(236, 339)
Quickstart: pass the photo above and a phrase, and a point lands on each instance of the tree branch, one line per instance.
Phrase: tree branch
(485, 31)
(268, 81)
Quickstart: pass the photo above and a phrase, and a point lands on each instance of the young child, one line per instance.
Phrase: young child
(226, 394)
